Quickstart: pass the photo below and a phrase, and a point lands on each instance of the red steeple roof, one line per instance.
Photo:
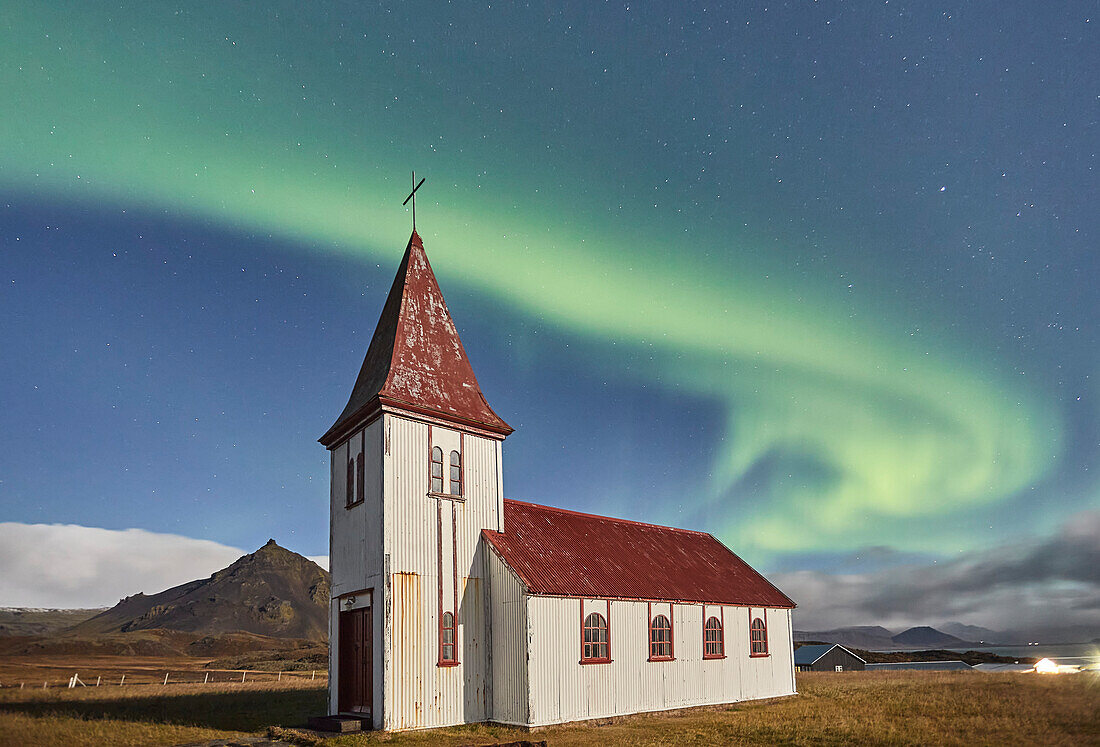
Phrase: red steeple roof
(416, 361)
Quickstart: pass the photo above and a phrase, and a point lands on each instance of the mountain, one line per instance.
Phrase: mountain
(973, 633)
(925, 636)
(24, 621)
(273, 592)
(859, 636)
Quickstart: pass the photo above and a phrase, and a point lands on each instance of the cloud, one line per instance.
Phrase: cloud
(67, 565)
(1011, 587)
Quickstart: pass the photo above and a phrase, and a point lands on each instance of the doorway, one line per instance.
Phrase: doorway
(356, 670)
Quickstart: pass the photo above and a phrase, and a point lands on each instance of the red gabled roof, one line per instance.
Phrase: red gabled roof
(564, 553)
(416, 360)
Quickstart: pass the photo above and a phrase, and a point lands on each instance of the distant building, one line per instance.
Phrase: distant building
(827, 657)
(451, 604)
(928, 666)
(994, 667)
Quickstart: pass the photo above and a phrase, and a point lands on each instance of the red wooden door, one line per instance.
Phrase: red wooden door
(356, 664)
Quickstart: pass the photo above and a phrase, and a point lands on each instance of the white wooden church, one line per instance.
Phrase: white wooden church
(451, 604)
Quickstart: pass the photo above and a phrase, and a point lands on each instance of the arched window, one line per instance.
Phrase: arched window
(437, 470)
(714, 646)
(758, 637)
(660, 638)
(596, 646)
(456, 473)
(349, 497)
(447, 639)
(360, 479)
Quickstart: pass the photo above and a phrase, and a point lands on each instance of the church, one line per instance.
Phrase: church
(452, 604)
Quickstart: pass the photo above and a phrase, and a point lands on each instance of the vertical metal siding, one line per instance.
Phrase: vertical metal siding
(498, 465)
(333, 658)
(407, 693)
(562, 689)
(355, 539)
(356, 544)
(508, 656)
(426, 535)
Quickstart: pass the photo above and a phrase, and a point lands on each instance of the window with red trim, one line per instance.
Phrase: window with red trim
(596, 647)
(447, 639)
(437, 470)
(456, 473)
(714, 645)
(660, 638)
(758, 637)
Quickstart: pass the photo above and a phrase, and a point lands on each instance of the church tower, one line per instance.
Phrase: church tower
(415, 477)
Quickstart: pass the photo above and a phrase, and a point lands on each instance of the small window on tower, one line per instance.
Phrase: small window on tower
(437, 470)
(456, 473)
(349, 495)
(447, 639)
(360, 480)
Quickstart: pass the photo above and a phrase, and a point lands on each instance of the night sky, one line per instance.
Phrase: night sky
(820, 278)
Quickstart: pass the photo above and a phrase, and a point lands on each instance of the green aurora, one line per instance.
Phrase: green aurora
(266, 130)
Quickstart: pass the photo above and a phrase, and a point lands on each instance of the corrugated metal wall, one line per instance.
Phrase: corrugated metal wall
(356, 541)
(562, 689)
(508, 641)
(421, 540)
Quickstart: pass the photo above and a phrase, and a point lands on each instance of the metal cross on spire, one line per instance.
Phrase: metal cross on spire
(412, 196)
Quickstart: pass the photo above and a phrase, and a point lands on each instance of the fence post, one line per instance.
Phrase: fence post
(166, 678)
(122, 680)
(313, 675)
(206, 678)
(44, 685)
(243, 675)
(280, 679)
(97, 679)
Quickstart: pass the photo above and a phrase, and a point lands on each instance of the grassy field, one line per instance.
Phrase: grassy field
(896, 708)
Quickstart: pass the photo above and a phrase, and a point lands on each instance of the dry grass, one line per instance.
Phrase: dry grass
(887, 708)
(152, 714)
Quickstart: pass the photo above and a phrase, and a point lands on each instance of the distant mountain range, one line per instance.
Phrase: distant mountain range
(875, 637)
(947, 635)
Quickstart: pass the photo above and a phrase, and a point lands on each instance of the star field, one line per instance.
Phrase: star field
(813, 277)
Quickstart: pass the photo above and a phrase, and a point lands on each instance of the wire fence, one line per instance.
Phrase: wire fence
(164, 677)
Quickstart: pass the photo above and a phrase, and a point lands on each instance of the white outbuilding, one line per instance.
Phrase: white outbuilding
(453, 605)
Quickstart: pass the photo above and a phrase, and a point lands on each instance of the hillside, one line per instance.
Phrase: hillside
(24, 621)
(924, 635)
(860, 636)
(973, 633)
(272, 592)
